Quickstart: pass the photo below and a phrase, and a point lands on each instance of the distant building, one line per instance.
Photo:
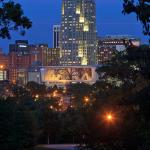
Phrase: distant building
(56, 36)
(20, 46)
(21, 56)
(108, 45)
(17, 67)
(53, 57)
(78, 32)
(4, 61)
(38, 52)
(3, 73)
(34, 72)
(19, 59)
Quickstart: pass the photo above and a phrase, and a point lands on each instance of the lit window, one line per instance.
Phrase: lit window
(81, 19)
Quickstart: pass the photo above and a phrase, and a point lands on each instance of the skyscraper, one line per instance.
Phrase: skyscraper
(78, 32)
(56, 32)
(53, 55)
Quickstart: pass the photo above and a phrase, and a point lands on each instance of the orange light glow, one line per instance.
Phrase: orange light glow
(86, 99)
(1, 66)
(55, 93)
(109, 117)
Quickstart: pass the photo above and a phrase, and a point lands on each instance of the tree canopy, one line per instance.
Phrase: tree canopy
(12, 18)
(142, 10)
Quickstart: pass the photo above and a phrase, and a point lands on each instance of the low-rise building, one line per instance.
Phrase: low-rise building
(63, 75)
(107, 46)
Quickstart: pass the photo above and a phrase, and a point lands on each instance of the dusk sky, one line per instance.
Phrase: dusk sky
(45, 13)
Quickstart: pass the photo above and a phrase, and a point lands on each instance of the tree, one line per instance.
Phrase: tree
(36, 89)
(123, 89)
(19, 91)
(12, 18)
(17, 126)
(142, 9)
(78, 93)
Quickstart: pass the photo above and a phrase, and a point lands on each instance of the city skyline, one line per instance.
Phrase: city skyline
(48, 15)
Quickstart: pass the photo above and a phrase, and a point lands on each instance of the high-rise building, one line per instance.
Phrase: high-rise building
(78, 32)
(53, 56)
(107, 46)
(56, 35)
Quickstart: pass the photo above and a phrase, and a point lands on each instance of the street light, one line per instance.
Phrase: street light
(1, 66)
(109, 117)
(86, 100)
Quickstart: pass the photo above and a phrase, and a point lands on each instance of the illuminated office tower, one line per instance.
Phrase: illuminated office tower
(78, 32)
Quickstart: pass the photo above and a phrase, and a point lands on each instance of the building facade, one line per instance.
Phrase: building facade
(3, 66)
(63, 75)
(107, 46)
(3, 59)
(39, 53)
(53, 57)
(78, 32)
(21, 56)
(56, 36)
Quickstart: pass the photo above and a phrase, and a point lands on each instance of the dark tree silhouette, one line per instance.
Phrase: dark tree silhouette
(12, 18)
(142, 9)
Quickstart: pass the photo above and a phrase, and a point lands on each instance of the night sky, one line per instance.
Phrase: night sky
(45, 13)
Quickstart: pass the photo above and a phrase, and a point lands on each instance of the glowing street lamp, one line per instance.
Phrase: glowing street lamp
(1, 66)
(109, 117)
(86, 100)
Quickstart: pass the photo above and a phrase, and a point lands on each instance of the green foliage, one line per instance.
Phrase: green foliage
(142, 9)
(17, 128)
(78, 92)
(85, 123)
(129, 103)
(36, 89)
(19, 91)
(12, 18)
